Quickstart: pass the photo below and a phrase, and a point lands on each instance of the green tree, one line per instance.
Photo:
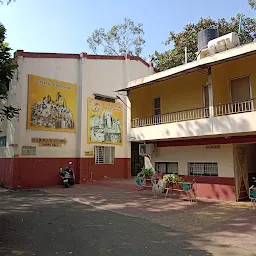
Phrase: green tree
(252, 3)
(188, 38)
(7, 68)
(6, 1)
(121, 39)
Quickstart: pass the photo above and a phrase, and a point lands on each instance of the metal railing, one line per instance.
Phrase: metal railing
(234, 108)
(179, 116)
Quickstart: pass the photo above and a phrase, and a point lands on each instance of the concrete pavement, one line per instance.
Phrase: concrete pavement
(91, 220)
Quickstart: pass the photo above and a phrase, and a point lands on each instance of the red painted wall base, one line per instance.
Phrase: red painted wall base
(18, 173)
(214, 187)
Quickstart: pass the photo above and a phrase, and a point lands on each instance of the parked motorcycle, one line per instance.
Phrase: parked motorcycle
(67, 175)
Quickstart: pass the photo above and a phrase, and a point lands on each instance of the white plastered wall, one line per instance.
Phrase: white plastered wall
(105, 77)
(60, 69)
(91, 76)
(185, 154)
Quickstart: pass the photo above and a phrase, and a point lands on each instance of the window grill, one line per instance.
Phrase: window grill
(104, 155)
(203, 169)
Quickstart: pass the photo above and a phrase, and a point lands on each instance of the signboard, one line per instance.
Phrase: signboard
(212, 146)
(28, 150)
(46, 142)
(88, 153)
(105, 122)
(50, 144)
(51, 105)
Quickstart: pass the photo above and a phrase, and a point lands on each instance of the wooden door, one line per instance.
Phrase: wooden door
(241, 171)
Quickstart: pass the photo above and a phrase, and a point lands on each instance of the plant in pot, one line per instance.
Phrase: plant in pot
(144, 173)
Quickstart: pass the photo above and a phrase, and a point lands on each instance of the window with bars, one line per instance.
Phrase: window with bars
(167, 167)
(203, 169)
(2, 141)
(157, 111)
(157, 106)
(104, 155)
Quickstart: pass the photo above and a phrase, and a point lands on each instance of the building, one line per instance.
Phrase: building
(69, 111)
(201, 119)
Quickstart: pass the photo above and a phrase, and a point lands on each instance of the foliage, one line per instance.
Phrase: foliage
(145, 172)
(121, 39)
(7, 68)
(252, 3)
(172, 178)
(188, 37)
(6, 1)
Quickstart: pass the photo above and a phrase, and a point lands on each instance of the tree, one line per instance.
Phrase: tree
(188, 38)
(7, 68)
(121, 39)
(6, 1)
(252, 3)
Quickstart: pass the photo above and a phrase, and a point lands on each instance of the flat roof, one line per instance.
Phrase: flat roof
(228, 55)
(22, 53)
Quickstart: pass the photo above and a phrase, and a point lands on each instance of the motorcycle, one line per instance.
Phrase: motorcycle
(67, 175)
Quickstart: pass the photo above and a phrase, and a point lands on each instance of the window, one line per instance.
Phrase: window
(3, 141)
(104, 98)
(157, 111)
(157, 107)
(203, 169)
(104, 155)
(167, 167)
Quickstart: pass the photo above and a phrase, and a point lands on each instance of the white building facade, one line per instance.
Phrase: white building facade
(34, 151)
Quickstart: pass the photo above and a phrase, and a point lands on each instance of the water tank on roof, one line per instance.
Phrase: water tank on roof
(223, 43)
(206, 35)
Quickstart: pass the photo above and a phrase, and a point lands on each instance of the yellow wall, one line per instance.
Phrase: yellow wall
(223, 73)
(177, 94)
(185, 92)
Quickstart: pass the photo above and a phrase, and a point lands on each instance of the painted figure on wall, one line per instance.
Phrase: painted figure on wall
(104, 122)
(44, 113)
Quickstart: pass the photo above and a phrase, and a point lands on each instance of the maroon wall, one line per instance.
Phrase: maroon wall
(42, 172)
(119, 170)
(6, 172)
(23, 173)
(214, 187)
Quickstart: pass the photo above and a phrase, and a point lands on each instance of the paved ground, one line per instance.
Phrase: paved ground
(90, 220)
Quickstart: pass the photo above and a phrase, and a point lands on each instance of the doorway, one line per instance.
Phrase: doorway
(245, 168)
(137, 161)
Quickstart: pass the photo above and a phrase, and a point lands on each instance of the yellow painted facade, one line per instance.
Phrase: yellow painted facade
(223, 73)
(181, 93)
(186, 92)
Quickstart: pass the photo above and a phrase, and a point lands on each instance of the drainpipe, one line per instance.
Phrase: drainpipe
(127, 115)
(211, 108)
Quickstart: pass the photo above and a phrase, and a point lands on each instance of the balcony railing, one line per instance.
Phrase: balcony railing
(185, 115)
(234, 108)
(193, 114)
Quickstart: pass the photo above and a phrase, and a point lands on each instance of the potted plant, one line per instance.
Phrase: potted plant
(144, 173)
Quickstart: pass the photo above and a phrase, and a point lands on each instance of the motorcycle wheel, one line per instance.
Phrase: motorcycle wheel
(66, 185)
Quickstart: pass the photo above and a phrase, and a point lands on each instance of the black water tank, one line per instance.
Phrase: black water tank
(206, 35)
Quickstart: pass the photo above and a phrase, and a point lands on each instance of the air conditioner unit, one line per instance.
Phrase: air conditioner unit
(147, 149)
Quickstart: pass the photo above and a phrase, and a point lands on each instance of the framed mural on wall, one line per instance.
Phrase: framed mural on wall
(51, 105)
(105, 122)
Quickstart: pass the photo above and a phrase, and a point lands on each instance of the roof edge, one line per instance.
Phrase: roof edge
(83, 55)
(234, 53)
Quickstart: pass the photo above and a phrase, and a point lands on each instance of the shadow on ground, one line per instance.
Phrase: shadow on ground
(35, 223)
(213, 226)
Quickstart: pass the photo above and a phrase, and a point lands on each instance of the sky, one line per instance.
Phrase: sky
(63, 26)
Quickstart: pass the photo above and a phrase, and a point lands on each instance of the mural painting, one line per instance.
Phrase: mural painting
(51, 105)
(105, 121)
